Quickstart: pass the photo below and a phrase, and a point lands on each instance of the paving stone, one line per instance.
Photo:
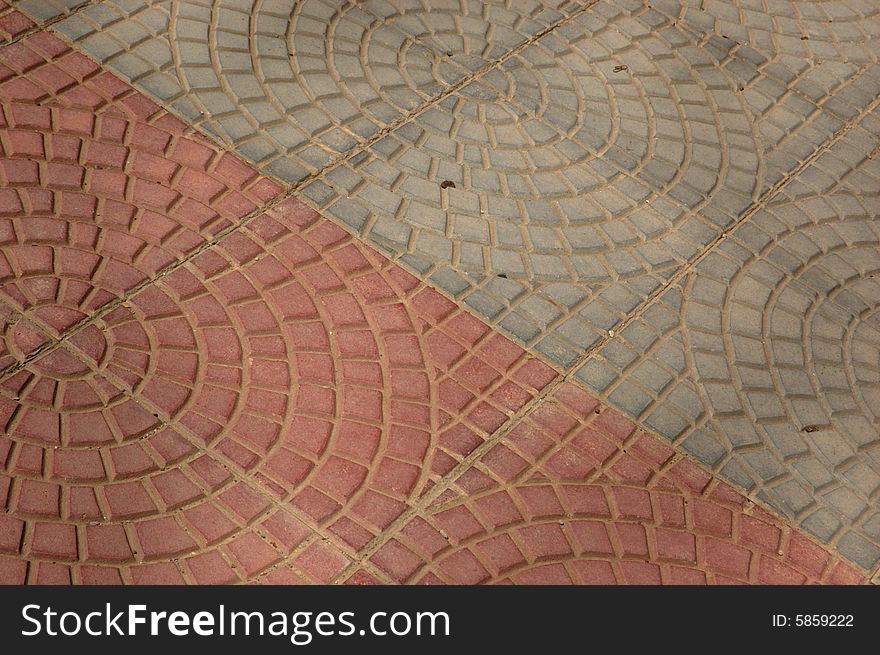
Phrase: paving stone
(44, 10)
(827, 30)
(561, 154)
(551, 165)
(576, 494)
(778, 335)
(101, 191)
(595, 214)
(12, 23)
(210, 412)
(288, 108)
(271, 333)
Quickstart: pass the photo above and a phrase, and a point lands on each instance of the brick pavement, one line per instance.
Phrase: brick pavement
(362, 292)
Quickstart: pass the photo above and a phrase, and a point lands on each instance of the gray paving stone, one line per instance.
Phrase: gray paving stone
(830, 29)
(605, 215)
(777, 331)
(822, 524)
(302, 105)
(860, 550)
(45, 9)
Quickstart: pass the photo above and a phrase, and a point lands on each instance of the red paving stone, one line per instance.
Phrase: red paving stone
(575, 493)
(101, 189)
(344, 385)
(12, 23)
(286, 371)
(273, 407)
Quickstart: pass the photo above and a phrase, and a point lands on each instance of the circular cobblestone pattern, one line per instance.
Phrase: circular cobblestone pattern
(599, 139)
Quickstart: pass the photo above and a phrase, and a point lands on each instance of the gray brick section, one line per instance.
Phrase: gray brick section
(831, 30)
(293, 106)
(764, 362)
(558, 188)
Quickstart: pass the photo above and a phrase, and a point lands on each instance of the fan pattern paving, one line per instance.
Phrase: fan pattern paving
(311, 291)
(768, 359)
(576, 495)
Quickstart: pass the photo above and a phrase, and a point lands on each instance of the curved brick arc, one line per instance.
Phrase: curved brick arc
(101, 189)
(285, 371)
(555, 192)
(331, 376)
(290, 84)
(576, 494)
(767, 365)
(269, 409)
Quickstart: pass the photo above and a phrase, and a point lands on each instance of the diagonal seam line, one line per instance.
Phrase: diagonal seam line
(446, 481)
(295, 187)
(291, 188)
(237, 474)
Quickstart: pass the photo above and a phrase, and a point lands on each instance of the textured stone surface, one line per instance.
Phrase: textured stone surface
(102, 189)
(587, 168)
(291, 85)
(763, 362)
(674, 203)
(828, 29)
(576, 494)
(598, 147)
(279, 377)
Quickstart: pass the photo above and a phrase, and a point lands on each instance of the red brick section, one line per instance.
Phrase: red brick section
(311, 364)
(12, 23)
(99, 190)
(287, 375)
(575, 493)
(227, 419)
(360, 386)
